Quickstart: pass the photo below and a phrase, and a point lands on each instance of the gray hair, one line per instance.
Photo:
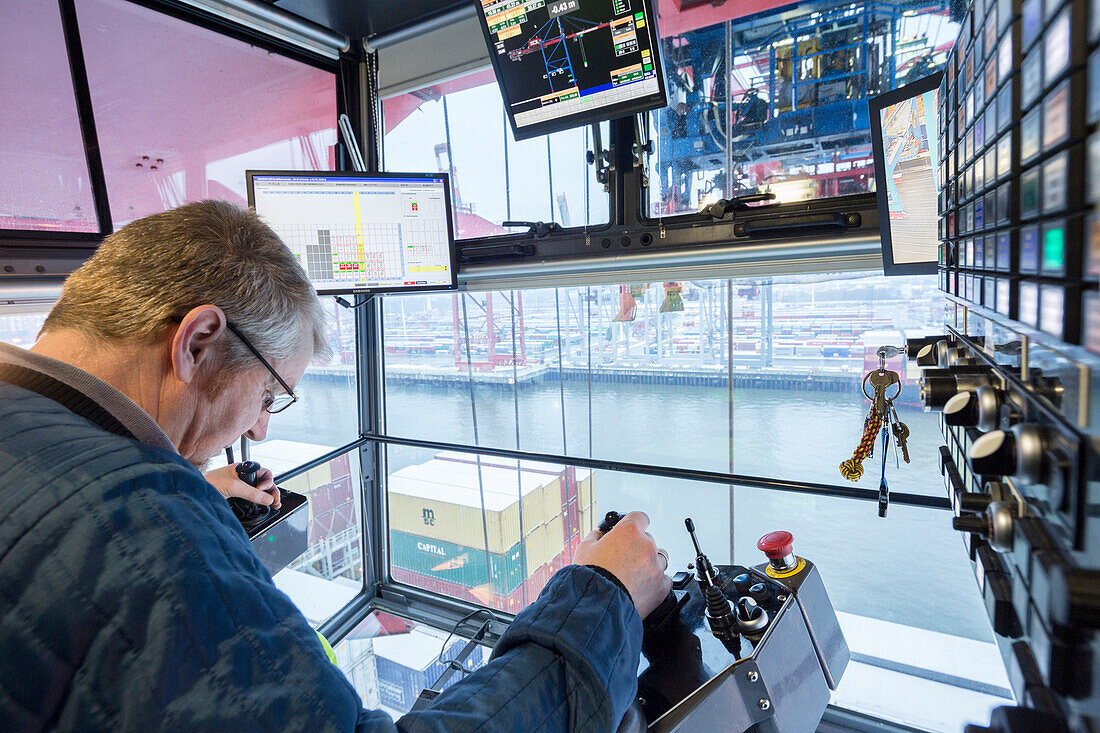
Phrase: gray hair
(146, 276)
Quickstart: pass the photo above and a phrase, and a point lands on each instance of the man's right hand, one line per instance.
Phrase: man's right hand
(629, 553)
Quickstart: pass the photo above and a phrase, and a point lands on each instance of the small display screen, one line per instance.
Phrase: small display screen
(1052, 310)
(1003, 294)
(1031, 78)
(563, 63)
(1029, 194)
(1004, 203)
(1092, 247)
(1004, 155)
(1092, 174)
(1056, 116)
(1030, 135)
(1054, 249)
(1056, 47)
(1092, 111)
(1032, 21)
(905, 158)
(1029, 249)
(1004, 107)
(361, 232)
(1091, 322)
(1054, 183)
(1029, 303)
(1004, 58)
(1004, 251)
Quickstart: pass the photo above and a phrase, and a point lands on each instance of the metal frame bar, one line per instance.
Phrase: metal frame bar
(689, 474)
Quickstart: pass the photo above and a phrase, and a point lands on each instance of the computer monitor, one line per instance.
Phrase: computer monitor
(566, 63)
(362, 232)
(904, 130)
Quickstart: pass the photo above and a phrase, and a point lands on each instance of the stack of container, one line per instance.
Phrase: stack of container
(488, 530)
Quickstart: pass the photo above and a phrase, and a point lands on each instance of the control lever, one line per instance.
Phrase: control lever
(248, 513)
(720, 618)
(670, 606)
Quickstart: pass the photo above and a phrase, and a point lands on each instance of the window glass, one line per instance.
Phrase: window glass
(644, 373)
(389, 660)
(181, 111)
(793, 102)
(20, 324)
(493, 531)
(326, 571)
(45, 183)
(459, 127)
(325, 416)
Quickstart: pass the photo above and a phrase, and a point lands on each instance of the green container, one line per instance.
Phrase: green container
(466, 566)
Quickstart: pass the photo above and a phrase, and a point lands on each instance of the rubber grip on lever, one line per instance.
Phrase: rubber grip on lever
(248, 472)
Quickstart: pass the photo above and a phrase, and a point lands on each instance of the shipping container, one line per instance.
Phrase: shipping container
(409, 663)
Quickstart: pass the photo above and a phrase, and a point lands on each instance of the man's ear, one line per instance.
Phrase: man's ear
(194, 341)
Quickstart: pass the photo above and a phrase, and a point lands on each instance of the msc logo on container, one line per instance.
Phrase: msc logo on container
(429, 517)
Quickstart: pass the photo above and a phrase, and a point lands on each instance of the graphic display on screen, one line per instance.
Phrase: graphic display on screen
(361, 232)
(905, 125)
(563, 63)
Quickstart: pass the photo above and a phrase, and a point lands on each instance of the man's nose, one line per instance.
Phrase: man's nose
(259, 430)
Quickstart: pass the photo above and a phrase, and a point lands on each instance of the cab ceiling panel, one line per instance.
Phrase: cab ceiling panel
(368, 18)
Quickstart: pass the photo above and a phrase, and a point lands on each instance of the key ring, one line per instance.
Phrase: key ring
(871, 396)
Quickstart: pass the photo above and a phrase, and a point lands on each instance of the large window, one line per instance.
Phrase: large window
(756, 376)
(325, 416)
(45, 183)
(181, 112)
(777, 101)
(459, 127)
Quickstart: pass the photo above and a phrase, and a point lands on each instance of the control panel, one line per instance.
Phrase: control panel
(740, 648)
(279, 536)
(1014, 374)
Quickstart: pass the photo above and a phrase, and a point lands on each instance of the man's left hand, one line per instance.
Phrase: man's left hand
(227, 483)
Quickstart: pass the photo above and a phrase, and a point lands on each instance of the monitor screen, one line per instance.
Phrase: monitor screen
(362, 232)
(565, 63)
(904, 126)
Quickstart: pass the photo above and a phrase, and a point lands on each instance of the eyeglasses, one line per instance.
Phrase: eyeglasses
(272, 403)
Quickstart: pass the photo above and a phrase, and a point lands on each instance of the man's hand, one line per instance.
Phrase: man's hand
(226, 482)
(630, 554)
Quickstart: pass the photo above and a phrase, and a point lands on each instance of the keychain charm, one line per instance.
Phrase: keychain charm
(852, 469)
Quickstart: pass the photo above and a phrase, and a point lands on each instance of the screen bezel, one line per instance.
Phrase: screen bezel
(579, 119)
(338, 290)
(875, 105)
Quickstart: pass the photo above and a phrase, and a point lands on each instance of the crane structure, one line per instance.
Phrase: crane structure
(797, 87)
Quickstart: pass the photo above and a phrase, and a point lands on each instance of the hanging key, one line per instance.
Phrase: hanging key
(883, 487)
(901, 432)
(880, 381)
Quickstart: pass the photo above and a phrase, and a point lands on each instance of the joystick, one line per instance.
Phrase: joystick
(720, 617)
(670, 606)
(248, 513)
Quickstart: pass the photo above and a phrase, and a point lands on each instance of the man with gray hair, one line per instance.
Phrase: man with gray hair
(132, 597)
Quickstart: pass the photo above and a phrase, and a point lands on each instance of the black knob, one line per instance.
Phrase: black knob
(948, 356)
(609, 520)
(915, 347)
(989, 401)
(759, 592)
(974, 502)
(748, 610)
(972, 523)
(962, 409)
(926, 356)
(742, 583)
(936, 391)
(994, 454)
(247, 472)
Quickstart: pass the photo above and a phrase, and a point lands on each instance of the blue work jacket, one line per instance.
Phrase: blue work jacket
(131, 599)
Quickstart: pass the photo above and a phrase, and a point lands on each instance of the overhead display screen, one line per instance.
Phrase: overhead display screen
(362, 232)
(904, 126)
(565, 63)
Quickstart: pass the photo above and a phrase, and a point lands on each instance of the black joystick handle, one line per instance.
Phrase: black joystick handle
(248, 513)
(248, 471)
(658, 616)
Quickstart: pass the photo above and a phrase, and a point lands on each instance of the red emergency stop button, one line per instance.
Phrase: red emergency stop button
(776, 545)
(779, 547)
